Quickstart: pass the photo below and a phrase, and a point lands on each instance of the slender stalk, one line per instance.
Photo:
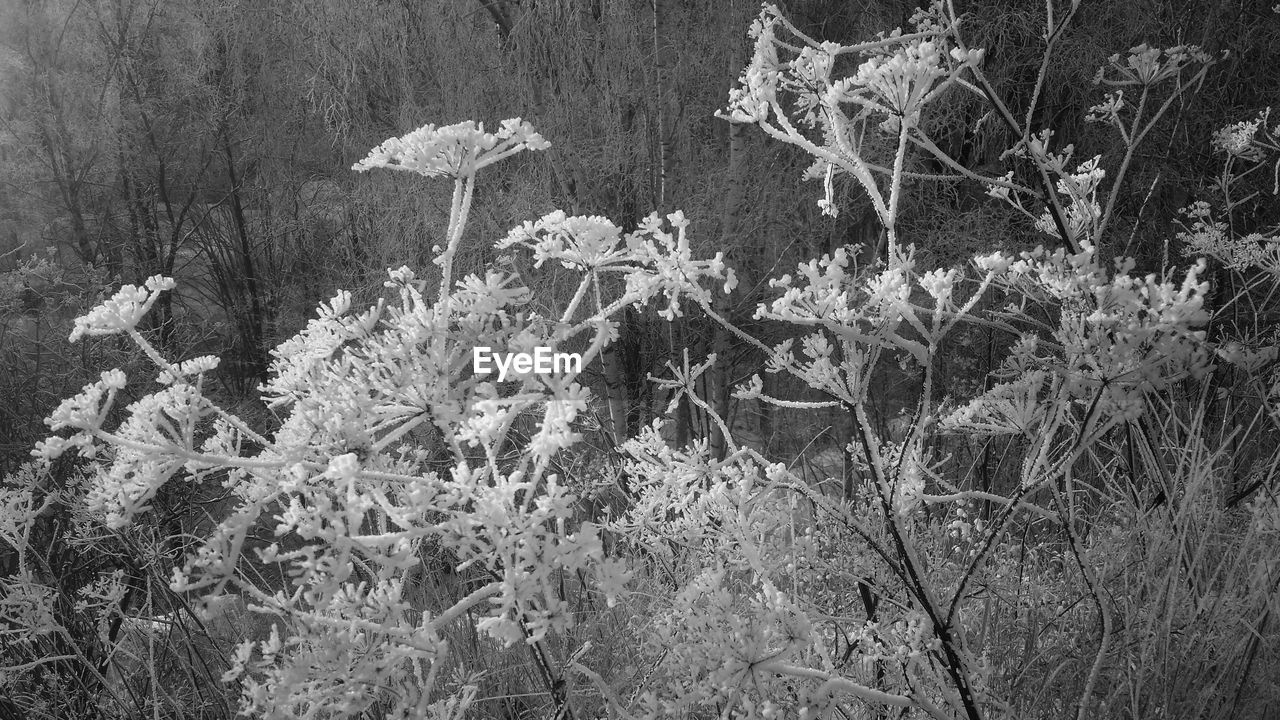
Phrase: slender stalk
(895, 186)
(463, 189)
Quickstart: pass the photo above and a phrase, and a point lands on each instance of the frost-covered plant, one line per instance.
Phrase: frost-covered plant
(1074, 213)
(388, 442)
(1210, 229)
(901, 74)
(1146, 72)
(1113, 341)
(909, 591)
(1098, 343)
(791, 91)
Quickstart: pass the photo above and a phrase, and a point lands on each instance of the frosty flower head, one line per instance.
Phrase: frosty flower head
(188, 368)
(577, 241)
(668, 266)
(1145, 65)
(1206, 237)
(1237, 140)
(814, 64)
(900, 81)
(750, 102)
(1118, 335)
(995, 263)
(1144, 61)
(939, 284)
(85, 410)
(123, 310)
(453, 151)
(900, 75)
(1109, 110)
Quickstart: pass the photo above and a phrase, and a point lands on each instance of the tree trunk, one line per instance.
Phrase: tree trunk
(615, 387)
(718, 376)
(251, 322)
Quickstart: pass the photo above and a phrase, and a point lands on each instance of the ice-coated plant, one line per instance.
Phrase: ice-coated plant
(1097, 345)
(868, 124)
(788, 89)
(388, 443)
(1147, 72)
(905, 592)
(1115, 340)
(1246, 147)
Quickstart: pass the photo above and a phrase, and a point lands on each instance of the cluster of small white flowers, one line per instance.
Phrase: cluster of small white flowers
(578, 242)
(187, 368)
(890, 290)
(812, 65)
(939, 284)
(456, 151)
(995, 263)
(1237, 140)
(529, 545)
(865, 310)
(821, 289)
(297, 360)
(652, 260)
(85, 410)
(900, 81)
(157, 431)
(663, 478)
(899, 84)
(122, 311)
(1079, 188)
(1206, 237)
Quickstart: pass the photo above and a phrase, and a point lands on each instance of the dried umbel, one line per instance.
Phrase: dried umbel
(456, 151)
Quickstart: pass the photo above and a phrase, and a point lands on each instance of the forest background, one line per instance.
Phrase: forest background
(212, 143)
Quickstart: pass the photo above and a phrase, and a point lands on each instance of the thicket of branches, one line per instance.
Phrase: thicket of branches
(931, 375)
